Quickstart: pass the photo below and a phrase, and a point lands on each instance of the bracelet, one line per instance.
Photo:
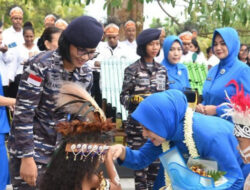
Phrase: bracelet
(107, 185)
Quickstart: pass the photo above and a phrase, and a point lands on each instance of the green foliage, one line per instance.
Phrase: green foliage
(112, 3)
(36, 10)
(205, 16)
(130, 5)
(170, 27)
(216, 175)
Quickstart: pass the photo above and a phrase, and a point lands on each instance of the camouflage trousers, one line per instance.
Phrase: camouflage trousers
(145, 178)
(16, 180)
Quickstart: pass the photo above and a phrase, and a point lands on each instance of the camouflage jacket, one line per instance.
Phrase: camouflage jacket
(32, 133)
(139, 78)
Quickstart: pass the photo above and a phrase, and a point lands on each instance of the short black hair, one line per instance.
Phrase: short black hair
(47, 35)
(28, 26)
(63, 48)
(1, 24)
(195, 43)
(141, 50)
(208, 49)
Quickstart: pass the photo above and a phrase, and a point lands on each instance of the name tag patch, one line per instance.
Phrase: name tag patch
(209, 79)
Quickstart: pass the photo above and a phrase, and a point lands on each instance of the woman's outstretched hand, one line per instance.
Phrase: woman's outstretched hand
(117, 151)
(206, 110)
(200, 108)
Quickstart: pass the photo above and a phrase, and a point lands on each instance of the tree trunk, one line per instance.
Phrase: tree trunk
(123, 14)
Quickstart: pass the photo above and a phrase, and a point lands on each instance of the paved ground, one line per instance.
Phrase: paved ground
(127, 184)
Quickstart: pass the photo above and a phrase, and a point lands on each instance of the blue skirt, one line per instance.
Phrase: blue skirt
(4, 165)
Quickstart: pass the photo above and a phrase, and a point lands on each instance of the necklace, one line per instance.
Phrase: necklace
(188, 140)
(188, 133)
(165, 147)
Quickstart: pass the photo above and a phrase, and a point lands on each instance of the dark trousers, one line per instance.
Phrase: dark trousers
(13, 87)
(96, 91)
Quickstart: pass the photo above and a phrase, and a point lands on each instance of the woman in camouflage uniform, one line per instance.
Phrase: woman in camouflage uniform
(33, 138)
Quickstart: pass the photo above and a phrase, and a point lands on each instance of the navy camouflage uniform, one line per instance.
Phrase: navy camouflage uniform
(33, 129)
(141, 78)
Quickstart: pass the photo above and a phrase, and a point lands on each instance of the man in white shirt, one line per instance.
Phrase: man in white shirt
(5, 60)
(113, 47)
(186, 38)
(49, 20)
(13, 38)
(61, 24)
(130, 34)
(160, 57)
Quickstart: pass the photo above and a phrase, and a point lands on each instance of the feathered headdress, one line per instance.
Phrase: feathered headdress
(239, 110)
(92, 127)
(74, 99)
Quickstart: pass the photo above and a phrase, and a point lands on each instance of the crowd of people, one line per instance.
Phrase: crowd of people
(44, 139)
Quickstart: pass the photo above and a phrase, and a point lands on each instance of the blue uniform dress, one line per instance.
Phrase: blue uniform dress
(4, 128)
(177, 73)
(163, 113)
(229, 68)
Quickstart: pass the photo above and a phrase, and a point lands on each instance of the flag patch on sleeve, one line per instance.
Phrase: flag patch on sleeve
(35, 80)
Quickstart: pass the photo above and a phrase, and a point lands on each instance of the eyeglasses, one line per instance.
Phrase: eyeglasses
(82, 52)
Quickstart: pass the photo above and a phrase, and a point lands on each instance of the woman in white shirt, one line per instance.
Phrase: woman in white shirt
(24, 51)
(28, 48)
(198, 56)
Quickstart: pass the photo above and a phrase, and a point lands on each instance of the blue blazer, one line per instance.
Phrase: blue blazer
(229, 68)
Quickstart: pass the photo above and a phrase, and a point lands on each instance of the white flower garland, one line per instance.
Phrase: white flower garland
(166, 147)
(188, 140)
(188, 133)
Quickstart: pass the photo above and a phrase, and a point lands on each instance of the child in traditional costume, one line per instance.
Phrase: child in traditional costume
(76, 163)
(239, 111)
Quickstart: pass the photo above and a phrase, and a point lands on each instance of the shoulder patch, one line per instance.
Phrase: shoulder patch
(35, 80)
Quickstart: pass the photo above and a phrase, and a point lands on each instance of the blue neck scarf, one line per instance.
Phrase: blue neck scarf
(162, 112)
(232, 41)
(168, 42)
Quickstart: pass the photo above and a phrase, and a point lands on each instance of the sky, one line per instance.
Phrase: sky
(150, 10)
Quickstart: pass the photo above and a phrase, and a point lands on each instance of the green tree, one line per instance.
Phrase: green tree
(226, 11)
(205, 16)
(208, 15)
